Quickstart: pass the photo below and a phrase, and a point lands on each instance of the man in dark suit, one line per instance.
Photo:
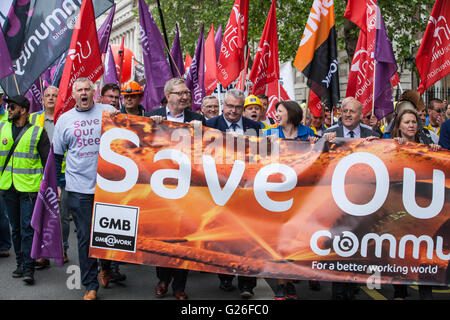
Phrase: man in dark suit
(177, 109)
(351, 122)
(350, 127)
(444, 139)
(178, 102)
(231, 119)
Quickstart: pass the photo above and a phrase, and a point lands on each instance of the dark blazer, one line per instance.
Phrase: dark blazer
(220, 124)
(444, 137)
(189, 115)
(365, 132)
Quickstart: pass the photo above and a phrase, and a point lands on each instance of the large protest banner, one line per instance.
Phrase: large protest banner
(350, 210)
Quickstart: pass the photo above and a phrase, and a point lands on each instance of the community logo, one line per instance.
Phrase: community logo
(114, 227)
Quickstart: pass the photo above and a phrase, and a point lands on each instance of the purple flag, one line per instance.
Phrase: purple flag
(196, 75)
(105, 31)
(218, 42)
(6, 67)
(34, 95)
(157, 68)
(47, 240)
(177, 55)
(110, 74)
(385, 68)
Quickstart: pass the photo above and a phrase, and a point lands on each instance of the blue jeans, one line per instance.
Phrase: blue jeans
(5, 233)
(19, 206)
(81, 206)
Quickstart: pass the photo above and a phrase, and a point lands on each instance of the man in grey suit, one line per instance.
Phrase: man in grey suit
(351, 126)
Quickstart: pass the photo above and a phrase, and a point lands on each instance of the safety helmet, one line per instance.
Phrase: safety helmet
(252, 100)
(131, 87)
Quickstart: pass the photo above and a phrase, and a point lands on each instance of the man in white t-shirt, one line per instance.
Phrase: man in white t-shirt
(78, 132)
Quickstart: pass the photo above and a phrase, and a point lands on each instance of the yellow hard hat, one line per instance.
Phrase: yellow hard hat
(252, 100)
(131, 87)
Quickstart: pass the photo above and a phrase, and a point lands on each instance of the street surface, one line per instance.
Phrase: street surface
(55, 283)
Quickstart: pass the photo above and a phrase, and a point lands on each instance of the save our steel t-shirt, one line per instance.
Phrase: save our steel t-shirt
(78, 133)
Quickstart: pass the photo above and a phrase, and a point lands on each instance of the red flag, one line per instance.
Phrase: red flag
(187, 62)
(395, 80)
(210, 62)
(231, 59)
(361, 75)
(266, 67)
(433, 57)
(315, 104)
(275, 92)
(357, 12)
(121, 55)
(83, 58)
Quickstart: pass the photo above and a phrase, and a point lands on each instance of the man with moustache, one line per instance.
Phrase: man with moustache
(82, 146)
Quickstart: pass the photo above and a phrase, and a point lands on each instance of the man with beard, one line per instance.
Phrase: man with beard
(24, 150)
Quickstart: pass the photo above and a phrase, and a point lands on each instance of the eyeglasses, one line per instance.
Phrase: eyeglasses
(439, 110)
(181, 93)
(235, 107)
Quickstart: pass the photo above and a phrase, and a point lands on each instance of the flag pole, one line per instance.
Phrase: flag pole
(163, 26)
(15, 81)
(373, 95)
(121, 56)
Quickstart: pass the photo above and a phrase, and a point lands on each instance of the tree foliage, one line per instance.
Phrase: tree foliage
(405, 21)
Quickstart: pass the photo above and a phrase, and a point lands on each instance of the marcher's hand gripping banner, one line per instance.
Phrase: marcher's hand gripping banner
(350, 210)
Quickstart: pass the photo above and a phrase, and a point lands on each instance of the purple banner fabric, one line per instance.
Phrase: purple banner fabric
(385, 68)
(34, 94)
(37, 33)
(47, 240)
(105, 31)
(177, 56)
(218, 42)
(6, 67)
(157, 67)
(196, 75)
(110, 74)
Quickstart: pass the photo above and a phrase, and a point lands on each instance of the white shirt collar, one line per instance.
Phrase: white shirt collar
(356, 131)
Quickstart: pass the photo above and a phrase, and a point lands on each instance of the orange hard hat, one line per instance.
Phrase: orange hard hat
(131, 87)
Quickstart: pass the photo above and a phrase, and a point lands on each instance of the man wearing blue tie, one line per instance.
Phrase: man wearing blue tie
(232, 120)
(350, 127)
